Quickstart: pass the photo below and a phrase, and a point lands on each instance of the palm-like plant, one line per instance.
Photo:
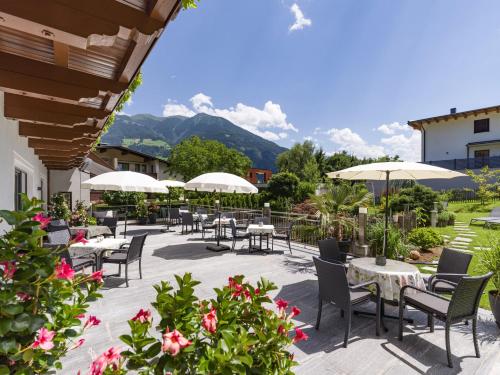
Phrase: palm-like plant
(338, 203)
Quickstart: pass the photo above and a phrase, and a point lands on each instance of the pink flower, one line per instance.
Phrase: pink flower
(97, 276)
(247, 294)
(281, 330)
(257, 291)
(9, 268)
(238, 289)
(77, 344)
(112, 355)
(80, 316)
(143, 316)
(209, 321)
(282, 304)
(295, 311)
(91, 321)
(23, 296)
(64, 271)
(44, 221)
(79, 237)
(173, 342)
(98, 366)
(44, 339)
(299, 336)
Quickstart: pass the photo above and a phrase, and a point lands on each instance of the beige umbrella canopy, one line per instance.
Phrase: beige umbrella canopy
(403, 170)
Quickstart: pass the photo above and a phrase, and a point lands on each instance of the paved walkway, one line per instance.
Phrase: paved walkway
(166, 254)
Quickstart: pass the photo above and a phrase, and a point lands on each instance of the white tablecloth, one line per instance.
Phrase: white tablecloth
(93, 246)
(391, 277)
(260, 229)
(223, 221)
(91, 231)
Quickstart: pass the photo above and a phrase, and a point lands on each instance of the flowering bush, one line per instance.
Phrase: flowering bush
(80, 216)
(231, 334)
(42, 301)
(58, 207)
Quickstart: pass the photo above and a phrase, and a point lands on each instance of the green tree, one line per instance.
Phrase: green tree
(283, 184)
(194, 156)
(487, 184)
(300, 160)
(321, 159)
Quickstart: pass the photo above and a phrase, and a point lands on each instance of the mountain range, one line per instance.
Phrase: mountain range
(157, 135)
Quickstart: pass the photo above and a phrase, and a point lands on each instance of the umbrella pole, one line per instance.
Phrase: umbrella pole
(382, 260)
(126, 214)
(218, 247)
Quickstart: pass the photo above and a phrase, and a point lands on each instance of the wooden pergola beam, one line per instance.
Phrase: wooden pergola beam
(27, 129)
(45, 111)
(58, 145)
(68, 154)
(78, 18)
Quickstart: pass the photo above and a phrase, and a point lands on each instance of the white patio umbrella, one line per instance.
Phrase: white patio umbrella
(174, 184)
(125, 181)
(223, 183)
(393, 171)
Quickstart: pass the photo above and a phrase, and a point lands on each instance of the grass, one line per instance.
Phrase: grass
(465, 212)
(146, 142)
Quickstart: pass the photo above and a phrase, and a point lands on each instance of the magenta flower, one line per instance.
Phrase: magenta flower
(9, 268)
(257, 291)
(77, 344)
(143, 316)
(295, 311)
(64, 271)
(44, 221)
(281, 330)
(79, 237)
(91, 322)
(282, 304)
(209, 321)
(97, 276)
(299, 336)
(23, 296)
(173, 342)
(44, 339)
(112, 356)
(98, 366)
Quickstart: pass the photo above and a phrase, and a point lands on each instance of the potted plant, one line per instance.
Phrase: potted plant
(58, 208)
(141, 210)
(489, 261)
(153, 210)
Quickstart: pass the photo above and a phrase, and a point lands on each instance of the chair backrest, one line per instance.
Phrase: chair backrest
(209, 219)
(201, 211)
(110, 222)
(453, 261)
(136, 246)
(264, 219)
(59, 237)
(163, 212)
(56, 225)
(187, 218)
(233, 228)
(329, 250)
(495, 212)
(332, 281)
(173, 213)
(465, 300)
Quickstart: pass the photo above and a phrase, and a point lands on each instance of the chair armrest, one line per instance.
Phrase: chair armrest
(365, 284)
(403, 290)
(435, 281)
(124, 246)
(432, 278)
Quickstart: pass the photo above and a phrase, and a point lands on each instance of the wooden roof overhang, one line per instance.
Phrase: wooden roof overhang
(417, 124)
(64, 65)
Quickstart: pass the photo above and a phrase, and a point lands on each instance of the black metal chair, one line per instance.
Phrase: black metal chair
(207, 225)
(237, 235)
(59, 237)
(111, 223)
(79, 263)
(329, 250)
(261, 219)
(462, 306)
(334, 288)
(174, 216)
(187, 220)
(164, 214)
(283, 235)
(242, 224)
(452, 266)
(126, 255)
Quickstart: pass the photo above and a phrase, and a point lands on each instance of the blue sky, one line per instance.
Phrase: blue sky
(347, 74)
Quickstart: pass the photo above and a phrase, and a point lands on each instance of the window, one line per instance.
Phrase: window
(260, 178)
(137, 167)
(481, 158)
(123, 166)
(152, 169)
(144, 168)
(21, 183)
(482, 126)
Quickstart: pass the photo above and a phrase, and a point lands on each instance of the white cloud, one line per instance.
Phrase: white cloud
(174, 109)
(406, 146)
(261, 122)
(300, 20)
(390, 129)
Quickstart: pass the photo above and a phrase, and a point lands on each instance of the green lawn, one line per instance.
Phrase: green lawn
(464, 212)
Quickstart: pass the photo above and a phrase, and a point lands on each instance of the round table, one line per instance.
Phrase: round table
(391, 277)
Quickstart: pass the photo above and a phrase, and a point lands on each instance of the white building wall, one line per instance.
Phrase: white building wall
(15, 153)
(447, 140)
(69, 181)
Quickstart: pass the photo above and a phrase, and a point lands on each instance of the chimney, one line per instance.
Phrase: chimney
(453, 111)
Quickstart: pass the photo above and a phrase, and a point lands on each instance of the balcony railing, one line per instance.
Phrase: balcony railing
(471, 163)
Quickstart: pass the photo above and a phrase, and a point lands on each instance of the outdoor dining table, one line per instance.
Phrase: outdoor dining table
(391, 278)
(97, 246)
(224, 222)
(261, 230)
(91, 231)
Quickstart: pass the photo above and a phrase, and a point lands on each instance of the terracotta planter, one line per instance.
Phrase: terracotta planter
(495, 305)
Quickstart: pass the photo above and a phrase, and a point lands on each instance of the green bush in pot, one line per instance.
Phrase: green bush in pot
(489, 261)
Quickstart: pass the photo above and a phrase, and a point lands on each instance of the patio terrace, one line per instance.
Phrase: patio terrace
(166, 254)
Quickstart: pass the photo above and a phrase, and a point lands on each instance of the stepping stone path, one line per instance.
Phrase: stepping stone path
(481, 248)
(429, 268)
(464, 237)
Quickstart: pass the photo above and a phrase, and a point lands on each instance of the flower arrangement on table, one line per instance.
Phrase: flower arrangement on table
(43, 302)
(233, 333)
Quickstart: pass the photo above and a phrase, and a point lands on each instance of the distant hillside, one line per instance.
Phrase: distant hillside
(157, 135)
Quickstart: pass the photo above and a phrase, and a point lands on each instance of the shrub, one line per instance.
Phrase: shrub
(445, 218)
(80, 216)
(141, 209)
(42, 301)
(304, 191)
(283, 184)
(121, 198)
(425, 238)
(58, 208)
(396, 245)
(232, 333)
(418, 196)
(489, 261)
